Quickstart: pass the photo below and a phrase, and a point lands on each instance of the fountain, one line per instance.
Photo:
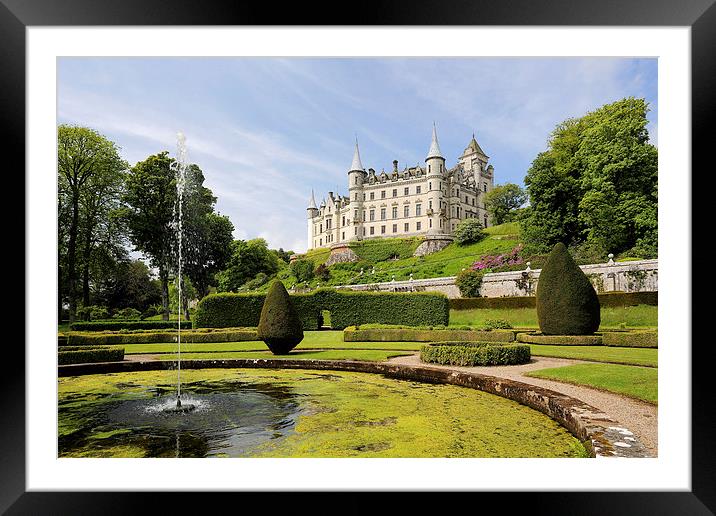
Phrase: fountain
(180, 166)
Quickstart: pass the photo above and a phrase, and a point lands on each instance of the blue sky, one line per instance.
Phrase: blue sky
(267, 130)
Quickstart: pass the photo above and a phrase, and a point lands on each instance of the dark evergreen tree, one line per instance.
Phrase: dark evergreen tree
(567, 303)
(280, 326)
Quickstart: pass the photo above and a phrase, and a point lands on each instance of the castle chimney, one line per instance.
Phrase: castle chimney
(395, 165)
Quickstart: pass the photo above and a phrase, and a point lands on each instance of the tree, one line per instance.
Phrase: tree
(597, 182)
(469, 231)
(150, 197)
(567, 303)
(469, 282)
(89, 168)
(130, 285)
(302, 269)
(280, 325)
(248, 258)
(502, 201)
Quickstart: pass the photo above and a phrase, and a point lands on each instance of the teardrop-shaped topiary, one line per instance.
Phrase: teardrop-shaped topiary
(280, 326)
(567, 303)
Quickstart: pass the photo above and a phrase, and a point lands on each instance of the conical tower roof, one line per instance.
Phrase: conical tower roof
(473, 147)
(312, 202)
(356, 165)
(434, 151)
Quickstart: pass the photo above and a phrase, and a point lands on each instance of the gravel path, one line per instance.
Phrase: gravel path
(640, 417)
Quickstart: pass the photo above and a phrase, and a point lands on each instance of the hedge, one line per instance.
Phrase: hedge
(85, 339)
(353, 334)
(632, 339)
(86, 354)
(128, 325)
(347, 308)
(614, 299)
(560, 340)
(475, 353)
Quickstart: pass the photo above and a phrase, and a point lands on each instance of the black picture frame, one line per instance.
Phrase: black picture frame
(699, 15)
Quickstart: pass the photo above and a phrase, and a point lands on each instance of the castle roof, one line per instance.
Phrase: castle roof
(473, 147)
(356, 165)
(434, 151)
(312, 202)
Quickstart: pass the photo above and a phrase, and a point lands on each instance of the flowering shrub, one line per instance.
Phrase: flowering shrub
(494, 261)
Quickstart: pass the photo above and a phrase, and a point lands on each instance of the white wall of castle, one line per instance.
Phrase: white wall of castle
(398, 204)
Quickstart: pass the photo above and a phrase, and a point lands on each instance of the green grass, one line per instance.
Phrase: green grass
(630, 356)
(369, 355)
(636, 382)
(323, 341)
(641, 316)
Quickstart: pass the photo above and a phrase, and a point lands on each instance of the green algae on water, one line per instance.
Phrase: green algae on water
(310, 414)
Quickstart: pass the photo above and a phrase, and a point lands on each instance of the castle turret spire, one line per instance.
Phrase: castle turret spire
(356, 165)
(312, 202)
(434, 151)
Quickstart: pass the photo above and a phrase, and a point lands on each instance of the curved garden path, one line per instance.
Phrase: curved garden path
(638, 416)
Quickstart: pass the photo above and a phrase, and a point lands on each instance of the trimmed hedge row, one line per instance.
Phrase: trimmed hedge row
(636, 339)
(347, 308)
(614, 299)
(86, 354)
(353, 334)
(560, 340)
(88, 339)
(475, 353)
(128, 325)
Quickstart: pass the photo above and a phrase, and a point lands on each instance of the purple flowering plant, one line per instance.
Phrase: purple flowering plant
(488, 262)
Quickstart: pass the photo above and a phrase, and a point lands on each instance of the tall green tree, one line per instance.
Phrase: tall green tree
(86, 159)
(248, 258)
(503, 200)
(150, 199)
(596, 183)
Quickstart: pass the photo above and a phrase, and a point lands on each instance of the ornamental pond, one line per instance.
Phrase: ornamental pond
(296, 413)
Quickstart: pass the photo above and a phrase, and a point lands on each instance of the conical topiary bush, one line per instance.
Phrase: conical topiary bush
(280, 326)
(567, 303)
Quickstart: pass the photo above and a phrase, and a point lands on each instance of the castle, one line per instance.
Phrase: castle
(425, 200)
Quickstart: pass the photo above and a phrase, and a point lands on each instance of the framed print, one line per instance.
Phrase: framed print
(468, 302)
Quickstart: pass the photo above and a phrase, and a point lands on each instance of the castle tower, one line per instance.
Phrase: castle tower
(474, 163)
(435, 163)
(356, 177)
(311, 212)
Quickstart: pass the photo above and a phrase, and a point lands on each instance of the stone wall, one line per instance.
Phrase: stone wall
(634, 276)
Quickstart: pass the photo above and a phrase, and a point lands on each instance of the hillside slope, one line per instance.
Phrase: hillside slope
(394, 257)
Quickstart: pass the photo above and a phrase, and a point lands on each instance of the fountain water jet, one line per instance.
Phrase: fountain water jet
(180, 166)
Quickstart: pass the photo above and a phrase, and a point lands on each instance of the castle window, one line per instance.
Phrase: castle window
(430, 204)
(395, 212)
(364, 197)
(484, 187)
(320, 241)
(466, 199)
(407, 227)
(406, 191)
(485, 221)
(372, 230)
(382, 214)
(473, 201)
(395, 228)
(356, 197)
(417, 226)
(406, 211)
(321, 228)
(355, 231)
(343, 235)
(430, 185)
(382, 230)
(372, 215)
(355, 214)
(372, 196)
(417, 210)
(428, 169)
(430, 222)
(417, 189)
(395, 192)
(382, 194)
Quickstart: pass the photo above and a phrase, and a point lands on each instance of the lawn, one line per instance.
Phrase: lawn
(636, 382)
(641, 316)
(323, 341)
(369, 355)
(631, 356)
